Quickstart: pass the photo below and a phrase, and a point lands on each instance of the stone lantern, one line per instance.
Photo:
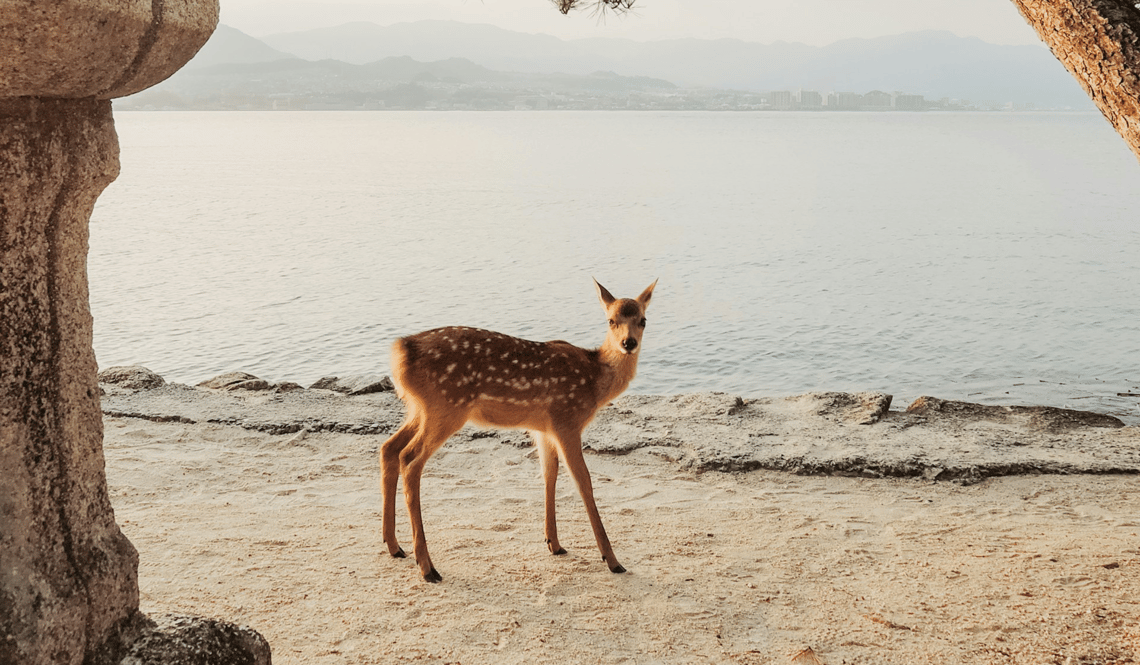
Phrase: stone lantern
(68, 576)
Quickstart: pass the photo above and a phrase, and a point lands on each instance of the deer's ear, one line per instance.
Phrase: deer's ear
(646, 295)
(605, 296)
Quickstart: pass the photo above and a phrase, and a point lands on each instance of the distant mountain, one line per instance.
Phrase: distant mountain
(229, 45)
(428, 41)
(931, 63)
(332, 74)
(253, 81)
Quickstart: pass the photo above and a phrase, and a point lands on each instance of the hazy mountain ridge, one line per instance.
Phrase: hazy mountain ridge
(230, 45)
(236, 71)
(355, 64)
(932, 63)
(487, 45)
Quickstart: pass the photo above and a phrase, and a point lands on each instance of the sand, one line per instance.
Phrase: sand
(263, 509)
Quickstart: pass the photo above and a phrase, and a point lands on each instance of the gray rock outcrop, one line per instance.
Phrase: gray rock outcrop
(171, 639)
(235, 381)
(133, 377)
(354, 385)
(1035, 418)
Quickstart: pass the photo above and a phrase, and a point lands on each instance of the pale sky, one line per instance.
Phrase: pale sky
(815, 22)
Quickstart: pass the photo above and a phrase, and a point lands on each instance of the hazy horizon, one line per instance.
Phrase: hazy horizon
(813, 22)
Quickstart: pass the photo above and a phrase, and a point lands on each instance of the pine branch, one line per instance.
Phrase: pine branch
(600, 6)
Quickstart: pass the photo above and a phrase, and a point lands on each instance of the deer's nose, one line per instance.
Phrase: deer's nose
(629, 344)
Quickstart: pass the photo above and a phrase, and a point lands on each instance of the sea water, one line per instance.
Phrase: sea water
(990, 257)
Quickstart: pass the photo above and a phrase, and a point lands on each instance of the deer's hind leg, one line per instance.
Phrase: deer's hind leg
(389, 473)
(548, 456)
(430, 437)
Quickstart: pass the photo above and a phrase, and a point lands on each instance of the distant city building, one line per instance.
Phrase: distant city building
(877, 99)
(847, 100)
(810, 99)
(910, 102)
(781, 99)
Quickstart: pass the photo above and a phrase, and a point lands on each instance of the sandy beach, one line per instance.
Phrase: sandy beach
(752, 529)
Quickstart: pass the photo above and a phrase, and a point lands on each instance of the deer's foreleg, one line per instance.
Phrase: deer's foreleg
(548, 456)
(570, 444)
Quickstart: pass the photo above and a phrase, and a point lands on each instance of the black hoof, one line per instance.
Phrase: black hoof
(433, 576)
(619, 569)
(558, 552)
(399, 554)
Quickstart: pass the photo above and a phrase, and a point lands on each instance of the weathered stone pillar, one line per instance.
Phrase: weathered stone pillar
(1098, 41)
(68, 576)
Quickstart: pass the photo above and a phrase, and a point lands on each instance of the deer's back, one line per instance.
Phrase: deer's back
(498, 377)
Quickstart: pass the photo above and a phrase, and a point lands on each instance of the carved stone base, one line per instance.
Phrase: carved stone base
(67, 574)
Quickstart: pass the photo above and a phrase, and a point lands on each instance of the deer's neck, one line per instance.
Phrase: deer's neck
(618, 370)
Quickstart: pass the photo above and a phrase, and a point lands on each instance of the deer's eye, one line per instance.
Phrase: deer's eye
(612, 323)
(641, 322)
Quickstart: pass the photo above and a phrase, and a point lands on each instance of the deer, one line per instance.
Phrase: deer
(448, 377)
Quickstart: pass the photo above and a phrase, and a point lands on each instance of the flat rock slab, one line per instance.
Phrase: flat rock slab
(827, 433)
(265, 411)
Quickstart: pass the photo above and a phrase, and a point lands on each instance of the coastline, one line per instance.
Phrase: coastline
(949, 535)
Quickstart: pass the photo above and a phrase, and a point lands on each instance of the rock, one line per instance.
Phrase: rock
(865, 408)
(355, 385)
(171, 639)
(288, 387)
(1033, 418)
(932, 472)
(235, 381)
(185, 640)
(135, 377)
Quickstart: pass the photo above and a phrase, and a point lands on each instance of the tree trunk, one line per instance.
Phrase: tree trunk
(1098, 41)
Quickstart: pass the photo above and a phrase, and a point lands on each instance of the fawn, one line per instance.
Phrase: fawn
(448, 377)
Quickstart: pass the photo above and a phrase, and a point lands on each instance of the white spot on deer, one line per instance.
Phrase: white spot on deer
(451, 368)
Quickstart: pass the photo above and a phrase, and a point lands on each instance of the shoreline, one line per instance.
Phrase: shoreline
(728, 561)
(820, 433)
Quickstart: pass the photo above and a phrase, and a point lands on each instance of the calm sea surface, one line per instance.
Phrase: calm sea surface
(988, 257)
